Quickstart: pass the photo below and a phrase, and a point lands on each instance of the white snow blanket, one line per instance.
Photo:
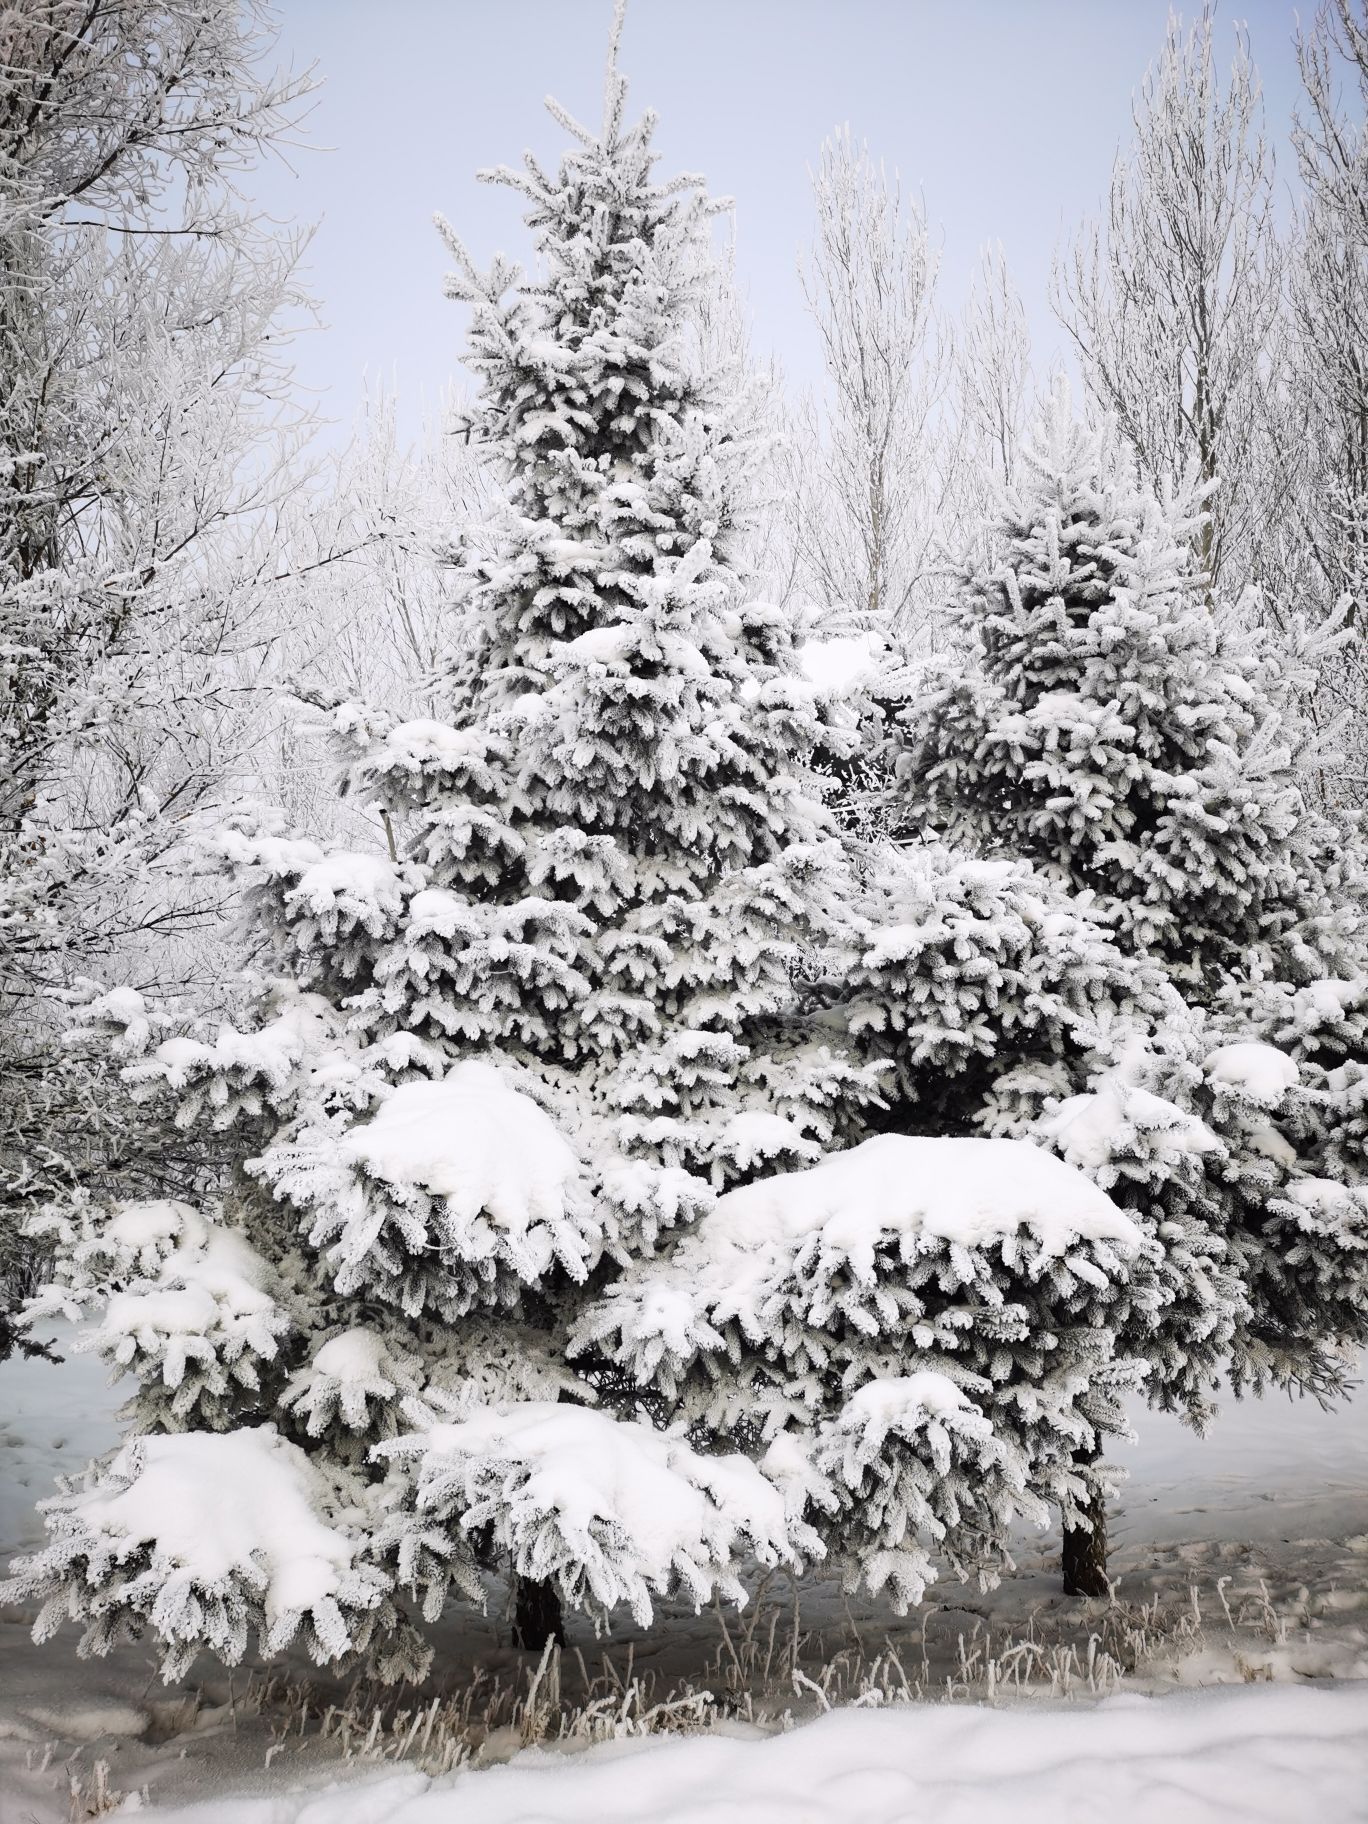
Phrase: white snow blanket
(1256, 1755)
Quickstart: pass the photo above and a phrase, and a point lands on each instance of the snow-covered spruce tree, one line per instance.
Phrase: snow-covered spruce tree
(1123, 733)
(496, 1056)
(1124, 736)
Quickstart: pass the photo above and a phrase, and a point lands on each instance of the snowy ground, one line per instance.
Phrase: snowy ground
(1243, 1565)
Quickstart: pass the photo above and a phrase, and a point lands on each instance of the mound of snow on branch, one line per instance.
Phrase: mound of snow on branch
(214, 1536)
(1093, 1129)
(1261, 1072)
(424, 743)
(225, 1503)
(968, 1193)
(959, 1190)
(473, 1140)
(839, 664)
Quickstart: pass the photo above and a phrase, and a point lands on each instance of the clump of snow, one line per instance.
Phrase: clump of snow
(151, 1225)
(754, 1136)
(615, 1511)
(455, 1193)
(602, 645)
(440, 911)
(837, 665)
(1270, 1144)
(216, 1271)
(1261, 1072)
(356, 1357)
(1321, 1195)
(473, 1140)
(355, 885)
(261, 854)
(618, 643)
(126, 1008)
(350, 1371)
(968, 1192)
(300, 1043)
(421, 744)
(894, 1401)
(218, 1505)
(1325, 1000)
(1090, 1130)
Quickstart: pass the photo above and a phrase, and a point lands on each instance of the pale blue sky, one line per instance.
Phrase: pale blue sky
(1006, 114)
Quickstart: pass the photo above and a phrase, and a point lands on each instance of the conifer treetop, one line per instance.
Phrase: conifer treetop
(1123, 729)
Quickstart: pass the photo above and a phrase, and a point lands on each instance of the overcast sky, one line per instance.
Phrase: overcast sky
(1005, 113)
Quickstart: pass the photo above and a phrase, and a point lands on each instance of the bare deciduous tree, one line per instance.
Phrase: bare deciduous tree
(1329, 292)
(147, 443)
(991, 399)
(869, 477)
(1172, 298)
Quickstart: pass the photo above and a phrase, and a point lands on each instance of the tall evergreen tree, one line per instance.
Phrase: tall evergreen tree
(1110, 723)
(1115, 726)
(489, 1061)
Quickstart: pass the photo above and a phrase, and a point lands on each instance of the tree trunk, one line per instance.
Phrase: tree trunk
(1085, 1547)
(537, 1615)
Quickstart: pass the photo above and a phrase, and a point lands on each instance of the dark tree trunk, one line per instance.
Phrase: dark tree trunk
(1085, 1547)
(537, 1615)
